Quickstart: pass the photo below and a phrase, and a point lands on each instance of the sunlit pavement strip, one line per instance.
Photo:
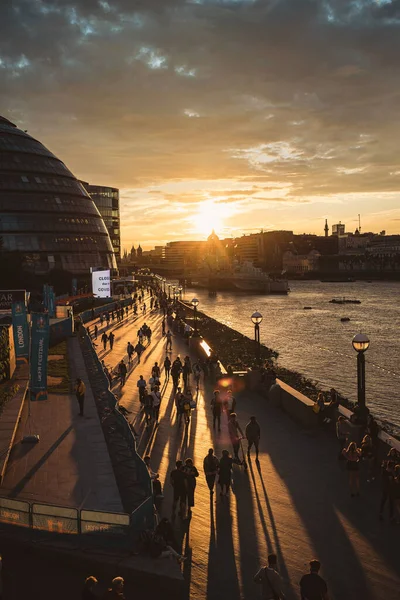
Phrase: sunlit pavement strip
(290, 504)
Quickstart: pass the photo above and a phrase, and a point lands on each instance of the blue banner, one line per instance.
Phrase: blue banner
(39, 352)
(21, 332)
(46, 290)
(52, 303)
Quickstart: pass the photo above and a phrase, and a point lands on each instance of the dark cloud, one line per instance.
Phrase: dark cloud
(135, 93)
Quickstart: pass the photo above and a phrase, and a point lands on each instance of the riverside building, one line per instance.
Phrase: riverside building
(46, 213)
(107, 201)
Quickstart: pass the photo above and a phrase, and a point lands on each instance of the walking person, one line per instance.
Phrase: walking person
(179, 404)
(148, 407)
(210, 466)
(130, 350)
(122, 371)
(353, 455)
(225, 472)
(111, 338)
(176, 370)
(139, 348)
(156, 403)
(186, 371)
(104, 339)
(197, 374)
(96, 331)
(270, 580)
(80, 390)
(178, 482)
(388, 474)
(216, 407)
(367, 455)
(235, 434)
(312, 586)
(167, 367)
(168, 335)
(252, 433)
(230, 403)
(190, 473)
(156, 371)
(141, 385)
(163, 328)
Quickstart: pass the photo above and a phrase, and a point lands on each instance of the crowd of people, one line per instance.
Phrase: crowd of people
(218, 470)
(362, 458)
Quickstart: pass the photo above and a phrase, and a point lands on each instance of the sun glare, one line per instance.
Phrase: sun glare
(210, 216)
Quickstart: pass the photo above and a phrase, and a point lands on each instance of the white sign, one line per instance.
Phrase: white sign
(101, 284)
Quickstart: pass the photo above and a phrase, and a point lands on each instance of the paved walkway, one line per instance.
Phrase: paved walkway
(295, 503)
(70, 466)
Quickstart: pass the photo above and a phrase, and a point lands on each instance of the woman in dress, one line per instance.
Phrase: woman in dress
(225, 472)
(353, 455)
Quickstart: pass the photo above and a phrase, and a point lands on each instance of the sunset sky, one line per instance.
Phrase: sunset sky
(235, 114)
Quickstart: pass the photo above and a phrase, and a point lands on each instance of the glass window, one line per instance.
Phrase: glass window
(24, 178)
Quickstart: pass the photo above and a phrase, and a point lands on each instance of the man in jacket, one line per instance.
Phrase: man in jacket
(122, 370)
(252, 433)
(80, 390)
(210, 466)
(270, 580)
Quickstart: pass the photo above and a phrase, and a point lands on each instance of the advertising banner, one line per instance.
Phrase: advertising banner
(7, 297)
(39, 352)
(52, 302)
(46, 289)
(101, 284)
(21, 332)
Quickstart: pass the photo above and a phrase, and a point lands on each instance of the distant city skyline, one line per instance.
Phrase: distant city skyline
(237, 115)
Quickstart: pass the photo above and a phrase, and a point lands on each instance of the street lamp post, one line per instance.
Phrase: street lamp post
(256, 317)
(180, 288)
(361, 344)
(195, 304)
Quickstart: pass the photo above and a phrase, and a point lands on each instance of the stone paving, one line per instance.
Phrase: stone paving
(295, 502)
(70, 465)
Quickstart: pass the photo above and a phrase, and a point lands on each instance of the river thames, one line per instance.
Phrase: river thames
(316, 343)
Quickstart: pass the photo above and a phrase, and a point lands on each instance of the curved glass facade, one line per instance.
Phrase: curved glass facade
(45, 212)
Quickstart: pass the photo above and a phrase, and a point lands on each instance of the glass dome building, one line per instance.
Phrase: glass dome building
(45, 212)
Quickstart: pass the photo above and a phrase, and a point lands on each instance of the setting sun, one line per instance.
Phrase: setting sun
(210, 216)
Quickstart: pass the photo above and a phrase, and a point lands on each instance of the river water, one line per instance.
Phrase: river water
(316, 343)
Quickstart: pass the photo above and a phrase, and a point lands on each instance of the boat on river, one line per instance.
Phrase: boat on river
(344, 301)
(243, 277)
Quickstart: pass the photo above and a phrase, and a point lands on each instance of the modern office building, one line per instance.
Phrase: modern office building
(45, 212)
(107, 201)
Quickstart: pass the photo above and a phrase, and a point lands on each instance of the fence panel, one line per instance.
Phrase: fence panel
(14, 512)
(142, 517)
(96, 522)
(55, 519)
(105, 529)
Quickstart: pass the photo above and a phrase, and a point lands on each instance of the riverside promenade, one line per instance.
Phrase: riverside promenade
(295, 502)
(70, 466)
